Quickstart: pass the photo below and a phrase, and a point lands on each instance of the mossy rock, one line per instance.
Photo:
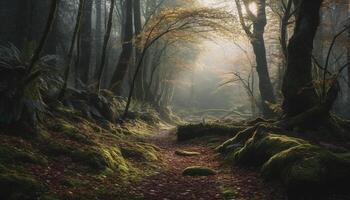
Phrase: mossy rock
(186, 153)
(11, 155)
(198, 171)
(308, 169)
(19, 187)
(261, 147)
(191, 131)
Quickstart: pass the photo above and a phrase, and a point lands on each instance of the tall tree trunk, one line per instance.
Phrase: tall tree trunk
(258, 43)
(348, 56)
(105, 45)
(85, 43)
(257, 40)
(124, 59)
(298, 89)
(71, 49)
(98, 35)
(139, 94)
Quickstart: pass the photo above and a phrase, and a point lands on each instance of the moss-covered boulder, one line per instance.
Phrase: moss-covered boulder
(262, 146)
(198, 171)
(19, 187)
(191, 131)
(308, 169)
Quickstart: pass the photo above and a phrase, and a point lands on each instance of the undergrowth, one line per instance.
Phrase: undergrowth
(76, 157)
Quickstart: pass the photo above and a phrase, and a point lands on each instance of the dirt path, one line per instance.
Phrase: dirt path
(234, 183)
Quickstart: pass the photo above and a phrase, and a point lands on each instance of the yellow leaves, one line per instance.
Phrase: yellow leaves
(186, 24)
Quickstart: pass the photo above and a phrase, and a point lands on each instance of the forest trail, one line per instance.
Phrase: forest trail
(228, 183)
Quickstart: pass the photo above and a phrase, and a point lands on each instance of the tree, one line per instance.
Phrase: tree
(85, 43)
(98, 34)
(71, 48)
(298, 89)
(105, 44)
(124, 59)
(256, 37)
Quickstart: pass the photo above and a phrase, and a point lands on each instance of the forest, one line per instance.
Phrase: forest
(175, 100)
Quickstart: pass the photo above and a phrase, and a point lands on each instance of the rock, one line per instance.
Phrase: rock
(198, 171)
(186, 153)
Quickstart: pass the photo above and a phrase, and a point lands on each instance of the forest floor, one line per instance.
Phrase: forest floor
(229, 183)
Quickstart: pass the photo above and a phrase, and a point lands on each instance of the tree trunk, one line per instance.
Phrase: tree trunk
(98, 36)
(71, 49)
(348, 56)
(105, 45)
(258, 43)
(124, 59)
(298, 89)
(85, 43)
(139, 94)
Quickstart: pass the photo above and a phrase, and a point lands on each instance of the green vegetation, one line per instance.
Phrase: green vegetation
(198, 171)
(90, 151)
(303, 168)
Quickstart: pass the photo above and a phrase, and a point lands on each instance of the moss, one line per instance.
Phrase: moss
(237, 141)
(306, 169)
(186, 153)
(191, 131)
(227, 193)
(114, 159)
(261, 147)
(12, 155)
(71, 132)
(19, 187)
(90, 158)
(140, 152)
(198, 171)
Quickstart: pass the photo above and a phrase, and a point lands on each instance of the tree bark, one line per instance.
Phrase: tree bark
(105, 45)
(258, 43)
(71, 48)
(124, 59)
(139, 90)
(298, 89)
(98, 35)
(85, 43)
(257, 40)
